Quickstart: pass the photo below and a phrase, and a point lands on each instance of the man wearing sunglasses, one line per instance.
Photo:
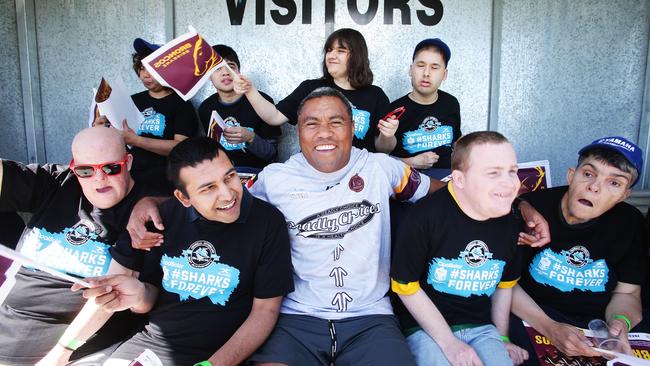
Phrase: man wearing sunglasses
(78, 213)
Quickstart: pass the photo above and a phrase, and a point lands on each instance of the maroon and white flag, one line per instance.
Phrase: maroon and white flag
(184, 63)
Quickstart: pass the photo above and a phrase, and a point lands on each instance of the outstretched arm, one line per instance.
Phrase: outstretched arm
(265, 109)
(565, 337)
(89, 320)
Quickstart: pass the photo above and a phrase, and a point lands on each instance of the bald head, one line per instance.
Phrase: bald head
(100, 141)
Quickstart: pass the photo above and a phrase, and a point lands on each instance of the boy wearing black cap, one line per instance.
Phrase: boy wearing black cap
(249, 142)
(595, 264)
(168, 120)
(431, 122)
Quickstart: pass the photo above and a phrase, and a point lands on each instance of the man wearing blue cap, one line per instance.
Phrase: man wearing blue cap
(168, 120)
(595, 264)
(431, 121)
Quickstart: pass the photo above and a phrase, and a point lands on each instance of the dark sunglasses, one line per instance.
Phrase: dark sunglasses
(89, 170)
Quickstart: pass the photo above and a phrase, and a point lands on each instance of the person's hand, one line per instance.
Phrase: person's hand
(571, 341)
(242, 85)
(618, 329)
(459, 353)
(388, 127)
(130, 137)
(101, 121)
(238, 134)
(538, 233)
(58, 356)
(517, 354)
(424, 160)
(114, 292)
(146, 210)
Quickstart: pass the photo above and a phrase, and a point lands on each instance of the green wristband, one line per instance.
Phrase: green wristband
(625, 319)
(505, 339)
(203, 363)
(69, 343)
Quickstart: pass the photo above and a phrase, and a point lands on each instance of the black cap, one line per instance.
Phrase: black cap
(436, 42)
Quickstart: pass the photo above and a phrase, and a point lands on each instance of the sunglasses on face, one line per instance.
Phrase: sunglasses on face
(89, 170)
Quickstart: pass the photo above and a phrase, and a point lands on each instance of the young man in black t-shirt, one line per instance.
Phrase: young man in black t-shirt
(250, 143)
(168, 119)
(595, 264)
(75, 224)
(456, 260)
(431, 121)
(213, 290)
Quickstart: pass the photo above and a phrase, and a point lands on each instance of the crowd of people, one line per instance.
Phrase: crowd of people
(314, 261)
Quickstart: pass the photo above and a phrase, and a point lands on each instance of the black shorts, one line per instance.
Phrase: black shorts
(364, 340)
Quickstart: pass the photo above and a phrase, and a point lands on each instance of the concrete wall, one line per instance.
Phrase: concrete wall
(550, 75)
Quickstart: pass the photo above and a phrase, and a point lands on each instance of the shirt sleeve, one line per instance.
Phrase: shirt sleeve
(289, 105)
(185, 121)
(382, 108)
(412, 246)
(512, 271)
(274, 273)
(204, 114)
(408, 184)
(25, 187)
(632, 266)
(127, 256)
(256, 186)
(455, 119)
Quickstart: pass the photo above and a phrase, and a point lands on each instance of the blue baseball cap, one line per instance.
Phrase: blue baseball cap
(144, 48)
(435, 42)
(630, 151)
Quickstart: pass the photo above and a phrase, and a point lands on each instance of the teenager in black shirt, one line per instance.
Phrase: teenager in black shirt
(431, 122)
(250, 143)
(346, 68)
(456, 260)
(595, 264)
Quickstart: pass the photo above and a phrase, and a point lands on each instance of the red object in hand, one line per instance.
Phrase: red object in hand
(397, 113)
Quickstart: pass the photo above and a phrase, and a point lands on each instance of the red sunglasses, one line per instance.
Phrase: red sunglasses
(89, 170)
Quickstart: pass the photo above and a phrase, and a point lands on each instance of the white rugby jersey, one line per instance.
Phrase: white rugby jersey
(339, 227)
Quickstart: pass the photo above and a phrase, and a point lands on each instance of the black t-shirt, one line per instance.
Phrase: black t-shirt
(208, 274)
(457, 260)
(369, 104)
(238, 113)
(578, 270)
(66, 232)
(11, 228)
(434, 127)
(163, 118)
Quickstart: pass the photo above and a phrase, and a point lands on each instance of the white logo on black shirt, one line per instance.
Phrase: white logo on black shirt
(81, 232)
(476, 253)
(577, 256)
(201, 254)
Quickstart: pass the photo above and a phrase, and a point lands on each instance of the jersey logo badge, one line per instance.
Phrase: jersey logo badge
(476, 253)
(356, 183)
(201, 254)
(578, 256)
(430, 124)
(81, 232)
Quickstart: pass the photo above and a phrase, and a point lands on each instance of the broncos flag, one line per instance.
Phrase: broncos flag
(184, 63)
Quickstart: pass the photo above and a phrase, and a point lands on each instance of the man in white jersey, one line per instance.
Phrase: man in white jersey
(335, 200)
